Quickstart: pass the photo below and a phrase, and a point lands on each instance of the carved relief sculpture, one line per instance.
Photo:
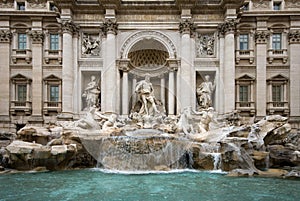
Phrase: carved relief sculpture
(205, 45)
(292, 3)
(41, 4)
(260, 3)
(90, 45)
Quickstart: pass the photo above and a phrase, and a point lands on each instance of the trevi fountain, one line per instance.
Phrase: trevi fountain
(146, 143)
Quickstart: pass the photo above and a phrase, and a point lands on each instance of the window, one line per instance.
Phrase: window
(21, 5)
(277, 6)
(22, 39)
(54, 42)
(21, 92)
(54, 93)
(276, 41)
(277, 92)
(245, 7)
(244, 93)
(244, 42)
(52, 7)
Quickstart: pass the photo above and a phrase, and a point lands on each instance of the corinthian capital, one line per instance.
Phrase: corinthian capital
(5, 35)
(36, 36)
(228, 26)
(186, 26)
(294, 36)
(109, 26)
(262, 36)
(69, 26)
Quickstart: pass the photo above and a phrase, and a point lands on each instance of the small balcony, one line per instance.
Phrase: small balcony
(280, 54)
(52, 107)
(245, 107)
(21, 56)
(53, 56)
(281, 108)
(20, 107)
(244, 55)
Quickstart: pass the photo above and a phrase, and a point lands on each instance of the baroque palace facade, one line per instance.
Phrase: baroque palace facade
(50, 52)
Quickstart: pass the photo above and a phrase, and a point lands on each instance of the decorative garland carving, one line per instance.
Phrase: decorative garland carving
(149, 34)
(7, 4)
(41, 4)
(205, 45)
(292, 4)
(109, 26)
(260, 3)
(186, 26)
(294, 36)
(262, 37)
(36, 36)
(5, 36)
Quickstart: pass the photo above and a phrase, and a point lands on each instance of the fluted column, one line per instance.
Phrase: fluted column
(187, 89)
(261, 39)
(294, 41)
(67, 68)
(123, 66)
(37, 38)
(5, 37)
(227, 29)
(173, 66)
(162, 89)
(109, 75)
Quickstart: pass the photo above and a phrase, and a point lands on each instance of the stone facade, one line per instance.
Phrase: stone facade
(50, 50)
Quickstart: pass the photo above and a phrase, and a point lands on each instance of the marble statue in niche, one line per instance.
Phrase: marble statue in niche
(91, 45)
(204, 92)
(145, 92)
(205, 45)
(91, 93)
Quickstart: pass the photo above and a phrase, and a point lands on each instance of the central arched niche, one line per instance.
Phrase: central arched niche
(147, 53)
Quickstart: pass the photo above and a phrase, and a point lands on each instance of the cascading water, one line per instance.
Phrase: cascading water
(140, 151)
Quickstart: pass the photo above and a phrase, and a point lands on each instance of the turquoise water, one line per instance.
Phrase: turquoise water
(93, 184)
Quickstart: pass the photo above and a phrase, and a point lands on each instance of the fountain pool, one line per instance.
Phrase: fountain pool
(96, 184)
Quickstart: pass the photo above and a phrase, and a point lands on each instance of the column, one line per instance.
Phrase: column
(228, 29)
(76, 82)
(162, 89)
(67, 68)
(171, 98)
(125, 98)
(294, 41)
(261, 70)
(251, 46)
(110, 71)
(187, 89)
(134, 81)
(5, 37)
(37, 37)
(220, 81)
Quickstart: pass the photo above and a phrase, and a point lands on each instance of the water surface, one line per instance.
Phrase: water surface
(93, 184)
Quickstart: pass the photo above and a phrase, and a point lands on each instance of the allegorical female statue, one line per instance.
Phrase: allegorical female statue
(91, 93)
(204, 93)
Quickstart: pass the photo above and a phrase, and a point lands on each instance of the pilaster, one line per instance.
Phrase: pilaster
(5, 38)
(37, 37)
(294, 41)
(261, 39)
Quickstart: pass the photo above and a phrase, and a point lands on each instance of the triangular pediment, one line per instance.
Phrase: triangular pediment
(246, 77)
(20, 77)
(52, 78)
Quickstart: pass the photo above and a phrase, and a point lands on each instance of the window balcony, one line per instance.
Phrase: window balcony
(52, 107)
(244, 55)
(53, 55)
(21, 56)
(281, 108)
(280, 54)
(246, 107)
(20, 107)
